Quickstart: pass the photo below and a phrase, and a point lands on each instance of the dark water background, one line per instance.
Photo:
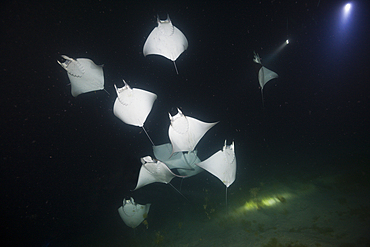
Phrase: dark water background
(67, 162)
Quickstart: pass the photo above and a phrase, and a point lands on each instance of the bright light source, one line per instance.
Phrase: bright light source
(273, 55)
(346, 12)
(347, 7)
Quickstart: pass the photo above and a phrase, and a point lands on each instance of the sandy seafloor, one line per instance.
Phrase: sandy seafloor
(288, 210)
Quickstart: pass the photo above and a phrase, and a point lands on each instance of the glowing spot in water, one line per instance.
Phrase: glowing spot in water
(347, 8)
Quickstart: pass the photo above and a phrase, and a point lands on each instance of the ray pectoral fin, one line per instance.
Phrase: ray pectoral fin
(132, 106)
(85, 76)
(166, 40)
(132, 213)
(155, 171)
(222, 165)
(264, 75)
(173, 161)
(185, 132)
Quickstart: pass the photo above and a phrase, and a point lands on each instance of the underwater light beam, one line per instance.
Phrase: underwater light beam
(347, 8)
(274, 54)
(345, 17)
(346, 11)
